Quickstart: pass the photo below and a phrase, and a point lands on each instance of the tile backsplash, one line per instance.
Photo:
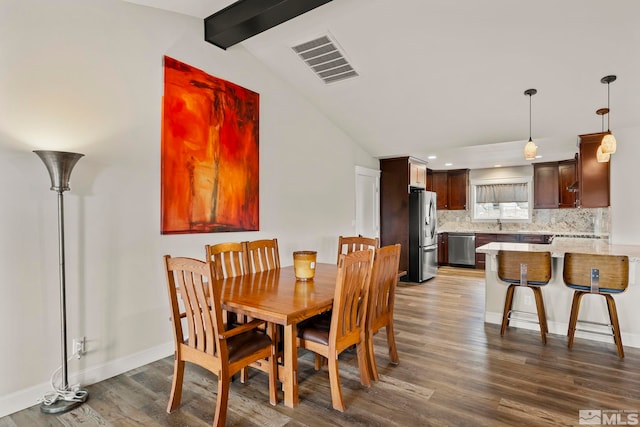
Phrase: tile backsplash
(580, 221)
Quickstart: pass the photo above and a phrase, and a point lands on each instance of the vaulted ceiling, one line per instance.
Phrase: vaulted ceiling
(447, 78)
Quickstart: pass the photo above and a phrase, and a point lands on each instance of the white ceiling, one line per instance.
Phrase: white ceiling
(447, 78)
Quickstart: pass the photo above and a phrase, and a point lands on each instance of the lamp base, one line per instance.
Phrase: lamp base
(62, 406)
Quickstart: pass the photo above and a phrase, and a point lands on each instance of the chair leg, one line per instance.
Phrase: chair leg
(176, 386)
(363, 364)
(371, 357)
(508, 302)
(542, 317)
(317, 362)
(222, 401)
(573, 319)
(613, 316)
(391, 342)
(334, 381)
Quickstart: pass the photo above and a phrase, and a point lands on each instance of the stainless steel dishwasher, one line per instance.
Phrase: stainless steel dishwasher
(462, 249)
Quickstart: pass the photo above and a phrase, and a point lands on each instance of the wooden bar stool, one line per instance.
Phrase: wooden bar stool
(600, 275)
(527, 269)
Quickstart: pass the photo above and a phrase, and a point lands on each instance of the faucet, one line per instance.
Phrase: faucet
(499, 224)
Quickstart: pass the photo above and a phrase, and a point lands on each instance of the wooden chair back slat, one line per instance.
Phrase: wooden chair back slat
(356, 243)
(263, 255)
(229, 259)
(350, 300)
(614, 270)
(384, 278)
(188, 279)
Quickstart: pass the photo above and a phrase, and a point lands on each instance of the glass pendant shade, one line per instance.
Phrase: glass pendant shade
(601, 156)
(530, 150)
(608, 144)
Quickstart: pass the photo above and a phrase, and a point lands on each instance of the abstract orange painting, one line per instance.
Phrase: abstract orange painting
(209, 177)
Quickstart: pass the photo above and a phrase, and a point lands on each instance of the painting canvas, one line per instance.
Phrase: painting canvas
(209, 177)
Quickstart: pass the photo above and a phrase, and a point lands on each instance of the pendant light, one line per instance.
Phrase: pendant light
(530, 149)
(608, 143)
(600, 156)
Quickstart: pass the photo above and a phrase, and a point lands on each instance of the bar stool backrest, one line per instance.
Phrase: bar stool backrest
(613, 271)
(538, 267)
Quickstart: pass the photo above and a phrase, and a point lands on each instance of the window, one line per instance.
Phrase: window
(510, 201)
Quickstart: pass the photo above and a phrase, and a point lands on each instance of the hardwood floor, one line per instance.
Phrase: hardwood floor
(454, 370)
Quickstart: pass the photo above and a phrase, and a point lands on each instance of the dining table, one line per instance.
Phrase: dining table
(276, 296)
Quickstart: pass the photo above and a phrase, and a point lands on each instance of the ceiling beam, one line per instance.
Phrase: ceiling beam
(246, 18)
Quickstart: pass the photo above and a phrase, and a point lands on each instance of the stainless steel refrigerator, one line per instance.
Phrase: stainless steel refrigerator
(423, 235)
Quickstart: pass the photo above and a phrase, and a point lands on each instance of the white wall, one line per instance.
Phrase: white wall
(625, 188)
(86, 76)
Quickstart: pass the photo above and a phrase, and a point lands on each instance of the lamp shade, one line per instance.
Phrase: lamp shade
(608, 144)
(530, 150)
(601, 156)
(59, 164)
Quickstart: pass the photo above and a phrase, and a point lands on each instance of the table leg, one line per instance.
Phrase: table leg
(290, 366)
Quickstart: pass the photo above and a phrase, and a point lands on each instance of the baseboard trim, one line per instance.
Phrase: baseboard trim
(560, 328)
(27, 397)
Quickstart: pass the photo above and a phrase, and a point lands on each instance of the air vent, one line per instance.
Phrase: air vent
(325, 59)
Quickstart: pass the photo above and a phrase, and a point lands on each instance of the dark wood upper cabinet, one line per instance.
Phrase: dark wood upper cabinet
(567, 176)
(440, 186)
(593, 177)
(458, 182)
(545, 185)
(451, 188)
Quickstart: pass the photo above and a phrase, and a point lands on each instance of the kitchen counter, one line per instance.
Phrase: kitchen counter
(561, 245)
(557, 296)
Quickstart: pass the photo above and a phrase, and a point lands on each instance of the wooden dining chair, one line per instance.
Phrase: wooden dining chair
(382, 289)
(596, 274)
(530, 270)
(356, 243)
(330, 336)
(206, 341)
(262, 255)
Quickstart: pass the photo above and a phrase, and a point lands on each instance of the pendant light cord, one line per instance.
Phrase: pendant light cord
(609, 108)
(530, 117)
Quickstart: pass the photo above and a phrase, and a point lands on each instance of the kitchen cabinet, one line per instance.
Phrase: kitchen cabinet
(395, 181)
(443, 248)
(440, 186)
(567, 176)
(551, 182)
(452, 188)
(484, 238)
(458, 187)
(593, 177)
(417, 174)
(545, 185)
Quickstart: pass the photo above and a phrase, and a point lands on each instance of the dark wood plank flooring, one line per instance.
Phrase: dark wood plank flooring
(454, 370)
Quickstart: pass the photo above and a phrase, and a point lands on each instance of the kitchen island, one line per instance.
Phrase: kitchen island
(557, 296)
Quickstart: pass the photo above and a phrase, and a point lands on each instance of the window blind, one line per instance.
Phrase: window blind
(502, 193)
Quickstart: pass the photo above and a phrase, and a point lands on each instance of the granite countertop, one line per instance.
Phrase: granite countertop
(580, 234)
(562, 245)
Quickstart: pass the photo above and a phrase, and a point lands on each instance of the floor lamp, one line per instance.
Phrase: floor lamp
(60, 164)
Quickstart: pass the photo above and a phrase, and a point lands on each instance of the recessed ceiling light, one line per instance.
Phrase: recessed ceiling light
(497, 166)
(432, 157)
(538, 156)
(448, 164)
